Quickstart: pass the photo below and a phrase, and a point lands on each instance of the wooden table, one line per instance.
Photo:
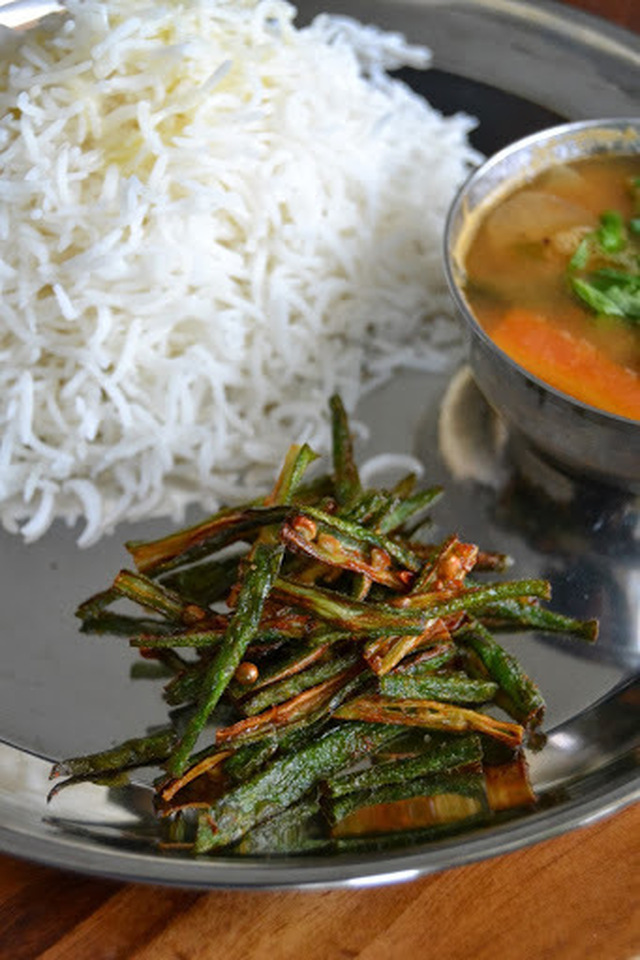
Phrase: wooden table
(572, 898)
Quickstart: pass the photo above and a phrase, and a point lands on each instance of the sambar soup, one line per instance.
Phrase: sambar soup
(552, 274)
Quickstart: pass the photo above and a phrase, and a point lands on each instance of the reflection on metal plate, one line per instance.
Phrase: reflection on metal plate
(517, 66)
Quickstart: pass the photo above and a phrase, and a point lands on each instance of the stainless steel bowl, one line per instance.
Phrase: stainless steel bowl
(581, 438)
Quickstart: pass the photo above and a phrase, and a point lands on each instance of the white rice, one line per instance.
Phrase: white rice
(210, 220)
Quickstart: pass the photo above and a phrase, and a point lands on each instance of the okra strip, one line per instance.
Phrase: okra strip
(112, 780)
(385, 653)
(471, 785)
(171, 787)
(359, 534)
(451, 687)
(137, 752)
(345, 471)
(308, 703)
(429, 714)
(508, 785)
(188, 638)
(169, 659)
(297, 460)
(205, 582)
(524, 699)
(279, 692)
(406, 509)
(194, 543)
(147, 593)
(425, 661)
(294, 831)
(97, 604)
(249, 758)
(259, 578)
(476, 598)
(327, 548)
(450, 565)
(353, 615)
(285, 781)
(412, 837)
(292, 662)
(366, 510)
(513, 613)
(459, 752)
(186, 686)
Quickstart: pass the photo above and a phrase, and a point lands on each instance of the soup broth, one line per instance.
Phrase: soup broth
(553, 276)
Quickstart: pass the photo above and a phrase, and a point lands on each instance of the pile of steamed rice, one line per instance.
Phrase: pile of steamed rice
(210, 220)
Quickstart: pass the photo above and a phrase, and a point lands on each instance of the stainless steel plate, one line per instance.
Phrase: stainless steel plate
(518, 66)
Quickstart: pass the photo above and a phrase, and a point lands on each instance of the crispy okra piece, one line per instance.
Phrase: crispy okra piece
(430, 714)
(259, 578)
(345, 613)
(137, 752)
(408, 508)
(516, 614)
(474, 599)
(285, 781)
(293, 659)
(357, 534)
(187, 546)
(435, 758)
(345, 472)
(522, 697)
(467, 784)
(283, 690)
(205, 582)
(297, 830)
(152, 596)
(452, 687)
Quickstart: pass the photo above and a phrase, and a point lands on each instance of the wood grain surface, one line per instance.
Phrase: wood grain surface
(576, 897)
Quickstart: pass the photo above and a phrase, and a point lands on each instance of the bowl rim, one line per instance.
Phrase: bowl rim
(540, 137)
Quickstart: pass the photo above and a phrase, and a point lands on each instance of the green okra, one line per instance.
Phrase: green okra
(297, 683)
(152, 596)
(185, 686)
(189, 545)
(357, 534)
(188, 638)
(293, 659)
(345, 472)
(137, 752)
(452, 687)
(428, 660)
(410, 837)
(407, 509)
(522, 698)
(249, 758)
(436, 757)
(95, 605)
(285, 781)
(348, 614)
(296, 830)
(510, 614)
(471, 784)
(296, 462)
(261, 573)
(477, 598)
(367, 510)
(205, 582)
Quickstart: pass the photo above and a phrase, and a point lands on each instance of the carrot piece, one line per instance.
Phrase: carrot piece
(568, 363)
